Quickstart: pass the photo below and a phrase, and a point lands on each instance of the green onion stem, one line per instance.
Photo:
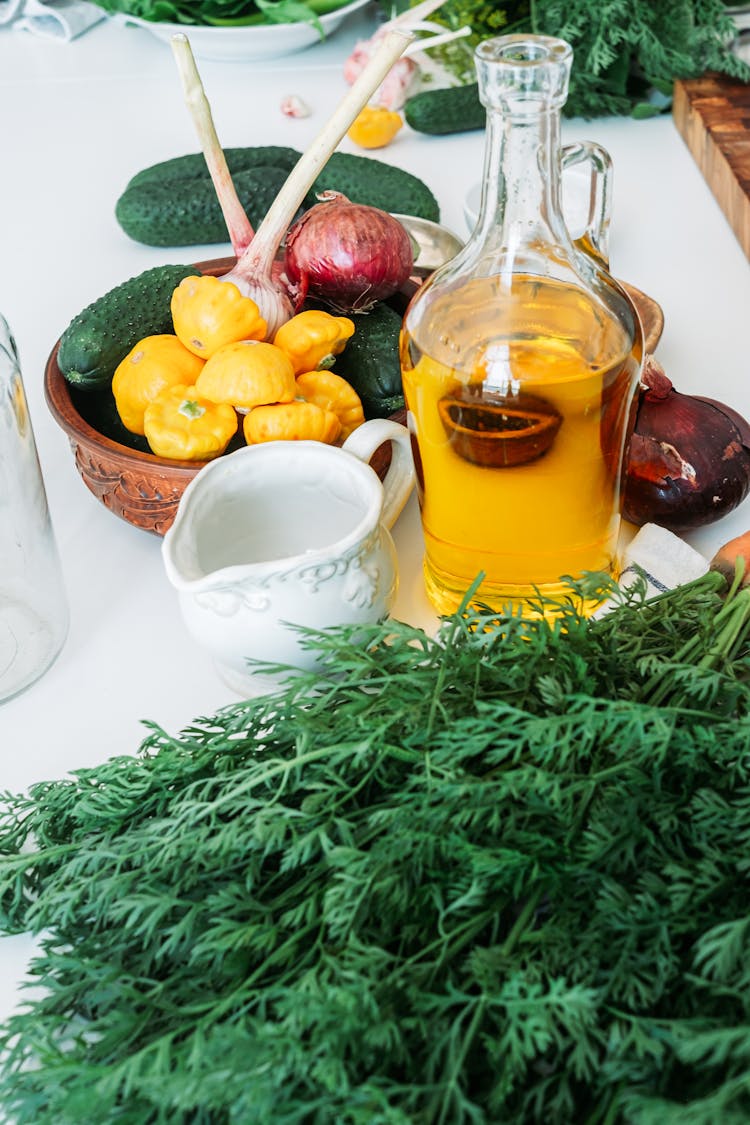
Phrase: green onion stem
(729, 626)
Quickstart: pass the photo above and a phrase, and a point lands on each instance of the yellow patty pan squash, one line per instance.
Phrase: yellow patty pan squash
(290, 421)
(183, 426)
(330, 392)
(313, 338)
(208, 313)
(248, 373)
(152, 365)
(374, 127)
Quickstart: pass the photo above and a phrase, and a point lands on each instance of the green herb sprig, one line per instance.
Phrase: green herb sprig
(225, 13)
(624, 51)
(499, 875)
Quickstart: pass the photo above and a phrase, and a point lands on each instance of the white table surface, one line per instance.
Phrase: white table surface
(77, 120)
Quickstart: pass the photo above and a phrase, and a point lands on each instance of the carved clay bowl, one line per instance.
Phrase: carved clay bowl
(134, 484)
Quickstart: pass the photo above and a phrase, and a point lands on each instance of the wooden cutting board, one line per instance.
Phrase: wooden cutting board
(712, 115)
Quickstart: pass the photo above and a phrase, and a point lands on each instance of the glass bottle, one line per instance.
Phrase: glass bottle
(520, 360)
(33, 604)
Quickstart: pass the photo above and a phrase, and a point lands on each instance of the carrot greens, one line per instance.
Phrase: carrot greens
(498, 875)
(623, 50)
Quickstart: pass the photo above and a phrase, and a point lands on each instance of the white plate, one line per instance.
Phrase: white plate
(240, 44)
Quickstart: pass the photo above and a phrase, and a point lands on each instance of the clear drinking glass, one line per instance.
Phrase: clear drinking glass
(33, 603)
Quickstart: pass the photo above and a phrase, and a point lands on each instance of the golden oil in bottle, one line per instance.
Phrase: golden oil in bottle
(520, 395)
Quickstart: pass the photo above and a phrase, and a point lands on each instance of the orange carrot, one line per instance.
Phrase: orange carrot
(734, 556)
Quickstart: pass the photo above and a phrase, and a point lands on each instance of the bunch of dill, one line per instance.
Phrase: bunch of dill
(623, 50)
(499, 875)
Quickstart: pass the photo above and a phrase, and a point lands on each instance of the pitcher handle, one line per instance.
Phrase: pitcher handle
(399, 479)
(594, 239)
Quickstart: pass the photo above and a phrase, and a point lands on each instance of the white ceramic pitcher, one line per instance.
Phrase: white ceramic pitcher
(283, 534)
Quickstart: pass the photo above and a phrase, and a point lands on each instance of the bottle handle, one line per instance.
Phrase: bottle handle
(399, 478)
(594, 238)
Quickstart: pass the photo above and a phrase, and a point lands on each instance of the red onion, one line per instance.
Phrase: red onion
(688, 462)
(347, 254)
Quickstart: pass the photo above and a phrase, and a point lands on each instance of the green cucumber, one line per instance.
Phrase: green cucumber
(193, 165)
(187, 212)
(370, 361)
(362, 179)
(454, 109)
(174, 203)
(103, 333)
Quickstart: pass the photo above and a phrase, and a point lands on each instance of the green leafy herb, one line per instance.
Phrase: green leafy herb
(499, 875)
(625, 51)
(225, 13)
(622, 48)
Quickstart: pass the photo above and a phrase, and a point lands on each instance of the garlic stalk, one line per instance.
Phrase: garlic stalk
(418, 12)
(253, 272)
(415, 19)
(437, 40)
(238, 225)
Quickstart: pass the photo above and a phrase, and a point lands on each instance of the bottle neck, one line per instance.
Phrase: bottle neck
(521, 209)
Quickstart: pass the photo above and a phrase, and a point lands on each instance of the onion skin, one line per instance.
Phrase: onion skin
(688, 463)
(348, 255)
